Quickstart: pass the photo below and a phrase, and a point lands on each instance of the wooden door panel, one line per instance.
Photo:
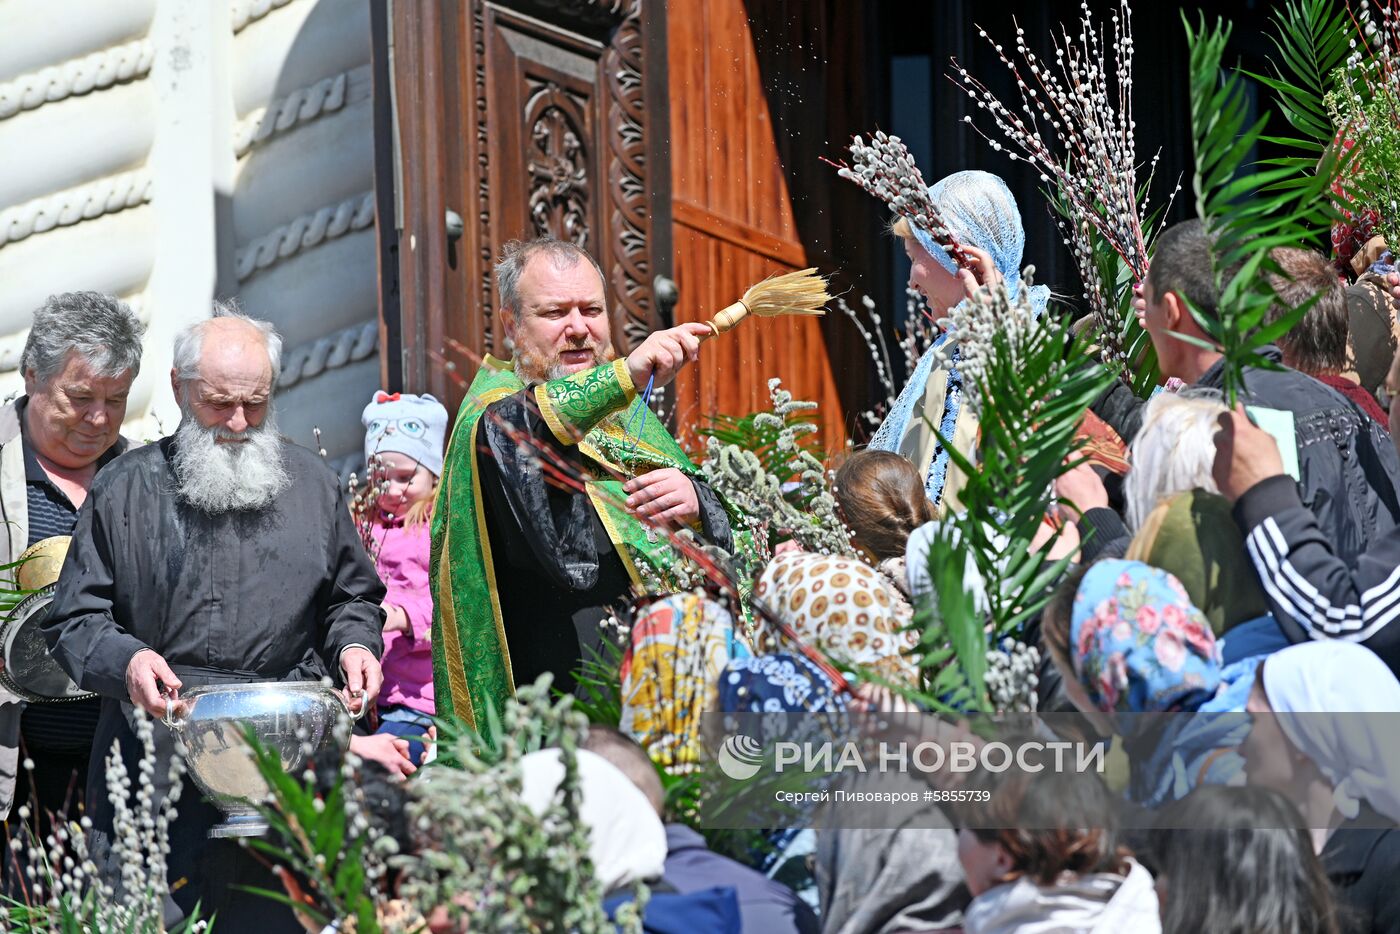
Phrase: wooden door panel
(521, 117)
(733, 218)
(543, 83)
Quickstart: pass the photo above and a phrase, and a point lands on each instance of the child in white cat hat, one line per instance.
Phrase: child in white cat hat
(404, 440)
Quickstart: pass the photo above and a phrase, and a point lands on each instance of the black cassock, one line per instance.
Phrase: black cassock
(267, 595)
(558, 574)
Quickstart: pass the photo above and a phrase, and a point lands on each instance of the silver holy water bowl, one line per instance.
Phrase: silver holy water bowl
(294, 719)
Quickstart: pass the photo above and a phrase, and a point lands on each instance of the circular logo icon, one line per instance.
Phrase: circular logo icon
(740, 757)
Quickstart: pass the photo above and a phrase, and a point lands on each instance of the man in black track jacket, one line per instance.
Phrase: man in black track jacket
(1348, 470)
(1314, 591)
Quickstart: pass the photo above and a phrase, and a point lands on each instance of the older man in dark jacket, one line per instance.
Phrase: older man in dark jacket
(80, 358)
(221, 554)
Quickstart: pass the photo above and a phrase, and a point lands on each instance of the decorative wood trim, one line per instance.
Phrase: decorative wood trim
(705, 221)
(76, 76)
(596, 14)
(486, 283)
(629, 266)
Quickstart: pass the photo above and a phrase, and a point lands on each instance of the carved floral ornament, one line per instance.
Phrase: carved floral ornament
(557, 161)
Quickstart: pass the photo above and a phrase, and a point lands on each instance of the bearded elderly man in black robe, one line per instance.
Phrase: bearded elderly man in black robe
(217, 555)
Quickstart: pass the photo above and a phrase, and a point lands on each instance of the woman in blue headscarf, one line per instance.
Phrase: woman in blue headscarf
(1128, 641)
(982, 216)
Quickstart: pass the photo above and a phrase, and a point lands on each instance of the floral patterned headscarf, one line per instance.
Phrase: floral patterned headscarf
(1136, 642)
(843, 608)
(680, 643)
(777, 684)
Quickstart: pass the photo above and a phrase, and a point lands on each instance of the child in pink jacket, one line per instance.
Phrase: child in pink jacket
(404, 437)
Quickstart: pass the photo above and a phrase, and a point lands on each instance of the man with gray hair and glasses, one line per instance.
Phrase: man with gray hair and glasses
(220, 554)
(81, 356)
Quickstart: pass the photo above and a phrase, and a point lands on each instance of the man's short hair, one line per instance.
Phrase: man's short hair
(189, 343)
(630, 758)
(101, 328)
(1181, 261)
(517, 254)
(1318, 342)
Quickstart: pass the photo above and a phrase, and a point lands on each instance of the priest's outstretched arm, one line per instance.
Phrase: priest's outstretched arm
(559, 421)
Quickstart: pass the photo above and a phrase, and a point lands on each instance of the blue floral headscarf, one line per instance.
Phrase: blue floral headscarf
(1138, 646)
(1136, 642)
(777, 684)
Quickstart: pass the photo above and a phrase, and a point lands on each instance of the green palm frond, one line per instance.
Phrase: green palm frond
(1248, 209)
(1313, 40)
(1031, 395)
(311, 832)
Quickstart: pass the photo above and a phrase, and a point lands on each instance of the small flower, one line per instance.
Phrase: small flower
(1148, 620)
(1170, 652)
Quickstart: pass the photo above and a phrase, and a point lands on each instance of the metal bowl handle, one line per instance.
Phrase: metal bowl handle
(363, 695)
(169, 718)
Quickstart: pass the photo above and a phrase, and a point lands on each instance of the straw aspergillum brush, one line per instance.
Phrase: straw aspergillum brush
(801, 293)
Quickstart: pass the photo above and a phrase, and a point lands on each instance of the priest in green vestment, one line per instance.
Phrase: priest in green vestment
(526, 569)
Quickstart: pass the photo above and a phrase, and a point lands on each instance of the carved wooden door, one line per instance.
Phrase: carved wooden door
(514, 119)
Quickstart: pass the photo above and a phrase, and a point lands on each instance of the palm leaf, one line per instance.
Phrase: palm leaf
(1247, 210)
(1031, 395)
(1312, 39)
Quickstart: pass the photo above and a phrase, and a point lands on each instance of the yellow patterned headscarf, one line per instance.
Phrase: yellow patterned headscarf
(670, 675)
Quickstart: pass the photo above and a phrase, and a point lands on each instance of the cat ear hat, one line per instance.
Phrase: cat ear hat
(403, 423)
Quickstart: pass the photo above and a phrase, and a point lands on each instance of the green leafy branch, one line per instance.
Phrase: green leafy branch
(1247, 212)
(1032, 389)
(1312, 38)
(311, 834)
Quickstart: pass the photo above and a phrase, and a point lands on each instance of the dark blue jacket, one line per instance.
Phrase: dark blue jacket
(767, 907)
(708, 911)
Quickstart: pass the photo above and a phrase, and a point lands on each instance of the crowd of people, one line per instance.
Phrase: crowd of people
(1241, 565)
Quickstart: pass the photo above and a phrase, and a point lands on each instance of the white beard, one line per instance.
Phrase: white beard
(218, 478)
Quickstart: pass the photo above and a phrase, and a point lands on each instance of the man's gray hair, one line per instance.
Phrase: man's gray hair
(517, 253)
(189, 343)
(101, 328)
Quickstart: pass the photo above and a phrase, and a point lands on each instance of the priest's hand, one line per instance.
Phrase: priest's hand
(148, 678)
(362, 673)
(663, 353)
(665, 496)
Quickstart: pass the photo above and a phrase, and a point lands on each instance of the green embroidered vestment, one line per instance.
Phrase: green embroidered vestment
(592, 410)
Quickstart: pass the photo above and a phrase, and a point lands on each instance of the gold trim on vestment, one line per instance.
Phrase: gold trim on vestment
(562, 433)
(600, 506)
(451, 636)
